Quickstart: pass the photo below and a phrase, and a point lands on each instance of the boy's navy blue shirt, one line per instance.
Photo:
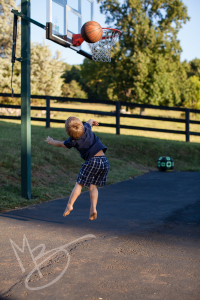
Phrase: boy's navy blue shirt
(88, 144)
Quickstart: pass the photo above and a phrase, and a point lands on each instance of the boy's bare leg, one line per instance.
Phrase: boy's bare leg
(93, 199)
(74, 195)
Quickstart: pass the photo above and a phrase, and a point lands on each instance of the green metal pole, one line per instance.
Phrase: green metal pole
(25, 103)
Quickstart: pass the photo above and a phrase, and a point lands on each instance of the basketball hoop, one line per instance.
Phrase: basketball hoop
(101, 49)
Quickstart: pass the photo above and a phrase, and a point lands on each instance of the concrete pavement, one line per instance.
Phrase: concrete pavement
(143, 245)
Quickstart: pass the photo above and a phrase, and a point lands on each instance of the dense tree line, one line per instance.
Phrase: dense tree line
(91, 79)
(145, 66)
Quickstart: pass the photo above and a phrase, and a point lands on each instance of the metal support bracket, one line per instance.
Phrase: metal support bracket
(19, 59)
(19, 14)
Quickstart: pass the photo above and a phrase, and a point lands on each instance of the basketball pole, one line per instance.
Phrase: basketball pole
(25, 102)
(25, 93)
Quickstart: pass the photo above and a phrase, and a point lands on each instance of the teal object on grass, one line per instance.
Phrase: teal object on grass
(165, 163)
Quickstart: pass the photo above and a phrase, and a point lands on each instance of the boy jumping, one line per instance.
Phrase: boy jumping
(94, 170)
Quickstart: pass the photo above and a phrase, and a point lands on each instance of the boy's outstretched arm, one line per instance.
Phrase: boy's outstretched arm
(93, 122)
(55, 143)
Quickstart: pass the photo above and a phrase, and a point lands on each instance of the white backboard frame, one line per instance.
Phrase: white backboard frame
(67, 9)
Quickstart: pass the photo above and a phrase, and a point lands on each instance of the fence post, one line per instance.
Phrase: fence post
(47, 111)
(187, 124)
(118, 117)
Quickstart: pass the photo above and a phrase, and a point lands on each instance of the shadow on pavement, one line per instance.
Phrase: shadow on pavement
(153, 200)
(146, 243)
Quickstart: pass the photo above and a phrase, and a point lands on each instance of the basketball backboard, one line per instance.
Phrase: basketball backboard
(65, 18)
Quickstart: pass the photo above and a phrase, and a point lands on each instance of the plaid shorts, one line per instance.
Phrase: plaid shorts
(94, 171)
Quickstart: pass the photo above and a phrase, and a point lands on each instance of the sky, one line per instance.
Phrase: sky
(188, 34)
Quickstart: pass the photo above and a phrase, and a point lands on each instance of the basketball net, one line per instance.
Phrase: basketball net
(101, 49)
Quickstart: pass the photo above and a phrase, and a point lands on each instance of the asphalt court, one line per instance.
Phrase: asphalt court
(144, 244)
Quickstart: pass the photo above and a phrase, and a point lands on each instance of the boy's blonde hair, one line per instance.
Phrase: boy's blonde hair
(74, 127)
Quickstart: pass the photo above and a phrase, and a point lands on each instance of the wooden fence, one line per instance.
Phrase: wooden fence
(115, 114)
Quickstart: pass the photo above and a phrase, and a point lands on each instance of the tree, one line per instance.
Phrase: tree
(5, 76)
(74, 84)
(6, 32)
(94, 80)
(46, 73)
(194, 68)
(72, 73)
(193, 100)
(73, 90)
(146, 60)
(6, 27)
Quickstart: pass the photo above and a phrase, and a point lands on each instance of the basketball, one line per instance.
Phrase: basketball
(91, 32)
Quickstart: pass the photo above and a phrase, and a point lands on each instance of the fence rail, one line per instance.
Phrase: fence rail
(116, 114)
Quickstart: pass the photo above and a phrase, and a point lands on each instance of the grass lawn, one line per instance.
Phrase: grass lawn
(54, 170)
